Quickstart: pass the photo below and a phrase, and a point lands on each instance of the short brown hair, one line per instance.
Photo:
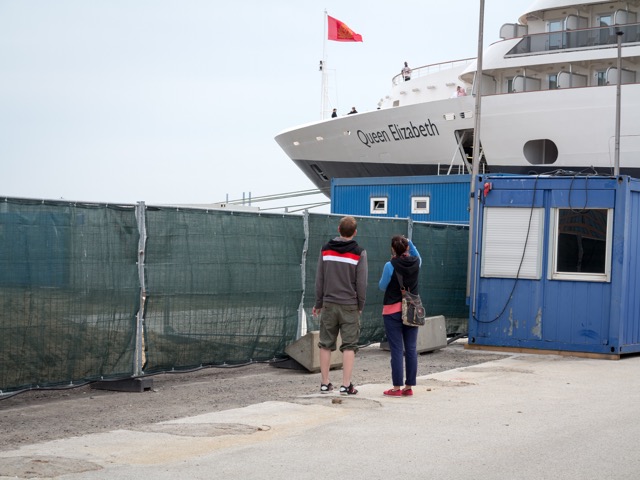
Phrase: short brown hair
(348, 226)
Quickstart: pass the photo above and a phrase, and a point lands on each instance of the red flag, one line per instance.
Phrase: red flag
(339, 32)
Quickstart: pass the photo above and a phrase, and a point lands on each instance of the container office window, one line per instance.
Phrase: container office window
(512, 242)
(581, 244)
(379, 205)
(420, 205)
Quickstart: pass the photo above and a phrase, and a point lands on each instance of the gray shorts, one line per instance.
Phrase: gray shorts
(343, 319)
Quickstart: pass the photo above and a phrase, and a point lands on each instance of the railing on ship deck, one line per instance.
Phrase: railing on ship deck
(579, 38)
(434, 67)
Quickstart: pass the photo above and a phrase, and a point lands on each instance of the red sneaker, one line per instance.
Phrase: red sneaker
(393, 393)
(407, 393)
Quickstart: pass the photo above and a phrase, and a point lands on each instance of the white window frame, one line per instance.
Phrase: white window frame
(375, 209)
(553, 274)
(504, 237)
(418, 210)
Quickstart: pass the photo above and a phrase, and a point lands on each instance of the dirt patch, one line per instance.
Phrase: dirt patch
(43, 415)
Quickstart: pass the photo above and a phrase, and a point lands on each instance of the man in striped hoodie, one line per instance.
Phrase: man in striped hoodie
(341, 289)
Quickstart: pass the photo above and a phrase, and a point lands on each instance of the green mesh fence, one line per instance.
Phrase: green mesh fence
(69, 293)
(374, 235)
(443, 276)
(220, 287)
(223, 287)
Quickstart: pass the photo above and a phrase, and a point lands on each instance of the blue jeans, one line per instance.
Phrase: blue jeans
(402, 343)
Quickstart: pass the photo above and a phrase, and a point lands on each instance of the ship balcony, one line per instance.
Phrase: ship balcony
(575, 39)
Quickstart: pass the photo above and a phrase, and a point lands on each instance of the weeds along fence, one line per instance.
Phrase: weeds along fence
(98, 291)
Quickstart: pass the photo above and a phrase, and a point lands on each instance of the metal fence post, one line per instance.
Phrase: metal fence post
(141, 220)
(302, 316)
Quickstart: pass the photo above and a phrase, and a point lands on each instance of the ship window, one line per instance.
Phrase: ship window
(607, 35)
(553, 81)
(601, 77)
(555, 39)
(420, 205)
(378, 205)
(540, 152)
(605, 20)
(581, 248)
(510, 85)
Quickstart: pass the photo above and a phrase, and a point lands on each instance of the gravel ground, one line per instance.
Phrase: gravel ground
(43, 415)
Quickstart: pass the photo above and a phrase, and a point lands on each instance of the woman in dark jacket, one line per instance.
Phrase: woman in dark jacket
(402, 338)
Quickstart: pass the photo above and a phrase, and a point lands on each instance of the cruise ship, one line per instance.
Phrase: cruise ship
(549, 94)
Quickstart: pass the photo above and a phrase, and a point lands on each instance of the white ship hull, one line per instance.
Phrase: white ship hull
(541, 111)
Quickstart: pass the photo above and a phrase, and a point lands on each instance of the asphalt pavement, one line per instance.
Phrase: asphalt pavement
(524, 416)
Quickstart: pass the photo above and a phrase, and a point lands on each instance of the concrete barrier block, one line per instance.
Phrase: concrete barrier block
(431, 336)
(306, 352)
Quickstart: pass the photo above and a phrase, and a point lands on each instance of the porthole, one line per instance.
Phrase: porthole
(540, 152)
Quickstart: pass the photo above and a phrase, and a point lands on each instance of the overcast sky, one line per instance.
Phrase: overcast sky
(179, 101)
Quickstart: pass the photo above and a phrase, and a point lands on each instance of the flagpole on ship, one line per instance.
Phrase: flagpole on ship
(339, 32)
(324, 101)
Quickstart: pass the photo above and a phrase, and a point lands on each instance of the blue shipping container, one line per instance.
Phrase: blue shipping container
(557, 264)
(438, 198)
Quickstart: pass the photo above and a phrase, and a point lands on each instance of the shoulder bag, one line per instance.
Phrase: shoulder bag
(413, 312)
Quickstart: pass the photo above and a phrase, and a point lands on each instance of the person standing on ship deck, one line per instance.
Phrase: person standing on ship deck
(406, 72)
